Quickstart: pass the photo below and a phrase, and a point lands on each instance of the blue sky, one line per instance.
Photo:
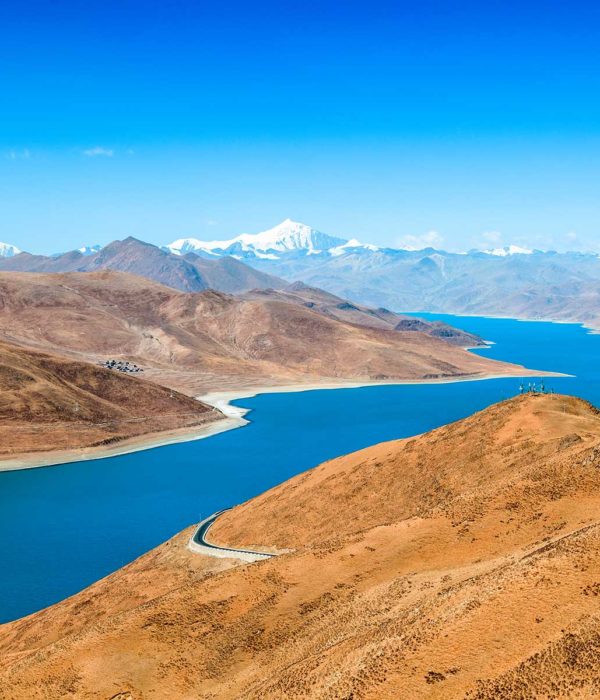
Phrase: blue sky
(464, 124)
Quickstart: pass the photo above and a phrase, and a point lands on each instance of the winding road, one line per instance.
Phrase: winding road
(199, 545)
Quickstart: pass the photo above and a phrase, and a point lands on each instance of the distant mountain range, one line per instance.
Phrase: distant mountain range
(291, 239)
(188, 273)
(509, 281)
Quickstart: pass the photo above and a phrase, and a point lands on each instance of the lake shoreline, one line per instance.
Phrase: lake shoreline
(592, 330)
(234, 417)
(139, 443)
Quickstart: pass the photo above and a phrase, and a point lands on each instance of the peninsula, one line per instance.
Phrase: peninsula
(462, 563)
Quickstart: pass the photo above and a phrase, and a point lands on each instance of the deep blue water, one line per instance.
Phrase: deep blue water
(64, 527)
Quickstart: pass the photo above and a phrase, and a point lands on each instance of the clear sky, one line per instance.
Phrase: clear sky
(457, 123)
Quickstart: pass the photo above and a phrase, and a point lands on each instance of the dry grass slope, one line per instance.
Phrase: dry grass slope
(51, 402)
(463, 563)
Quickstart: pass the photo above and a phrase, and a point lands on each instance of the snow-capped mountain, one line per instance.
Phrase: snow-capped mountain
(287, 238)
(508, 250)
(8, 251)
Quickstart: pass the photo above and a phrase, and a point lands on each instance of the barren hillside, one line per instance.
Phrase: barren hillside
(213, 340)
(463, 563)
(335, 307)
(48, 402)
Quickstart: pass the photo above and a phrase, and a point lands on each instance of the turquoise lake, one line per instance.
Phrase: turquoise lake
(64, 527)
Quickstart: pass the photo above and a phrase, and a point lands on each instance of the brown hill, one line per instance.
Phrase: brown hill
(214, 340)
(463, 563)
(189, 273)
(49, 402)
(230, 275)
(335, 307)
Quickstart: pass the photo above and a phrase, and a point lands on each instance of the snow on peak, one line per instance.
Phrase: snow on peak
(287, 237)
(188, 245)
(509, 250)
(291, 235)
(89, 249)
(348, 245)
(7, 250)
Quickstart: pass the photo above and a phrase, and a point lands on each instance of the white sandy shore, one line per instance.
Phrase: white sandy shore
(593, 330)
(221, 399)
(234, 418)
(127, 446)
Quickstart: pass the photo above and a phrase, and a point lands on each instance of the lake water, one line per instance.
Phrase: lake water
(64, 527)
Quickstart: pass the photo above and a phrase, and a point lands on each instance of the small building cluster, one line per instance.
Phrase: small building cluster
(121, 366)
